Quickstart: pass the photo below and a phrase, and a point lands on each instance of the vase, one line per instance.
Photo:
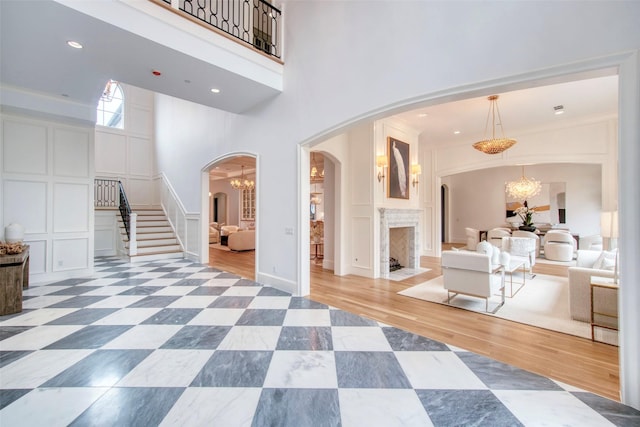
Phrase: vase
(14, 233)
(527, 228)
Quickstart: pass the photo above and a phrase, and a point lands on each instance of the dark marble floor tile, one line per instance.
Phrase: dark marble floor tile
(268, 291)
(466, 408)
(9, 331)
(124, 275)
(78, 302)
(369, 369)
(141, 290)
(500, 376)
(305, 303)
(305, 338)
(197, 337)
(176, 275)
(210, 270)
(343, 318)
(136, 406)
(208, 290)
(7, 357)
(8, 396)
(102, 368)
(72, 281)
(84, 316)
(246, 282)
(116, 269)
(228, 276)
(406, 341)
(262, 317)
(173, 316)
(92, 336)
(157, 301)
(234, 369)
(74, 290)
(231, 302)
(131, 281)
(619, 414)
(191, 282)
(164, 269)
(297, 408)
(12, 315)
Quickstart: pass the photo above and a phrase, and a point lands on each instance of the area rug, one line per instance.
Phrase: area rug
(219, 247)
(405, 273)
(542, 302)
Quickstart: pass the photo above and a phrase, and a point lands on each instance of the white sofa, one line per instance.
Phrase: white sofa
(588, 263)
(226, 231)
(242, 240)
(471, 273)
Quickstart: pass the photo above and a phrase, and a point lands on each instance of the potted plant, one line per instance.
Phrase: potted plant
(526, 214)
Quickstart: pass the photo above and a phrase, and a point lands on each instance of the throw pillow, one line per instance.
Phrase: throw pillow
(608, 264)
(610, 256)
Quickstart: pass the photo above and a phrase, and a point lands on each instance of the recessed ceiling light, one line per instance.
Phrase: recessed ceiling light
(74, 44)
(456, 132)
(422, 115)
(215, 90)
(558, 109)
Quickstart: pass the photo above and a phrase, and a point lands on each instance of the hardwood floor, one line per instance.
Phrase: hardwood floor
(576, 361)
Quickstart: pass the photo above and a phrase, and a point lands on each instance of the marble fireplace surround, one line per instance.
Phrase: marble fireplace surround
(397, 218)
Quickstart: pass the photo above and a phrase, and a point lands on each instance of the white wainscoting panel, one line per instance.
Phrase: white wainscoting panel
(33, 217)
(37, 256)
(140, 192)
(192, 245)
(70, 212)
(106, 233)
(71, 153)
(70, 254)
(140, 156)
(111, 151)
(139, 120)
(24, 148)
(361, 234)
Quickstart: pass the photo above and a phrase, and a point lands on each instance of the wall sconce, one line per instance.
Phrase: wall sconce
(382, 162)
(415, 171)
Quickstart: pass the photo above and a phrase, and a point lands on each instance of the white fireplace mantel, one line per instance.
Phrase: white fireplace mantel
(396, 218)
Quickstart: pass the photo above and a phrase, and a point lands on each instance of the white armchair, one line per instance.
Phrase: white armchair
(495, 235)
(521, 249)
(531, 235)
(559, 245)
(473, 238)
(471, 273)
(589, 263)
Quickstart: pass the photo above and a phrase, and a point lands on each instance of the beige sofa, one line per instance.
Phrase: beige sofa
(243, 240)
(580, 284)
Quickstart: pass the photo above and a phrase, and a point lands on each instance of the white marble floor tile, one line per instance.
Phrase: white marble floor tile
(143, 336)
(127, 316)
(251, 338)
(242, 291)
(117, 301)
(152, 275)
(175, 290)
(302, 369)
(437, 370)
(217, 316)
(382, 407)
(34, 369)
(50, 407)
(192, 301)
(167, 368)
(38, 337)
(305, 317)
(39, 317)
(275, 303)
(214, 407)
(189, 269)
(204, 275)
(104, 281)
(222, 283)
(359, 338)
(42, 290)
(109, 290)
(44, 301)
(550, 408)
(158, 282)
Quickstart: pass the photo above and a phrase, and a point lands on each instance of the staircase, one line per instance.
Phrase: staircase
(154, 236)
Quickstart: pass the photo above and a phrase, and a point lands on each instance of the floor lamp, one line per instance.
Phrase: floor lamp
(609, 230)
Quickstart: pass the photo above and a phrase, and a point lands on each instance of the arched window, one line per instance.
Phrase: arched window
(111, 106)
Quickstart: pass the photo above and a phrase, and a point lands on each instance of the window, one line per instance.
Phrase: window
(110, 108)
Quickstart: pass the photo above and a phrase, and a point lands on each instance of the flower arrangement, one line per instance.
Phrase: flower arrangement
(526, 213)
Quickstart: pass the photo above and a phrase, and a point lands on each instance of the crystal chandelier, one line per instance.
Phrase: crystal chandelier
(242, 183)
(524, 188)
(494, 145)
(316, 176)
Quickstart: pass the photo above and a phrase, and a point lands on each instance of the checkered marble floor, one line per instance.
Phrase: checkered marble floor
(177, 343)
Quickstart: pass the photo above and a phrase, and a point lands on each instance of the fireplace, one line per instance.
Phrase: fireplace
(399, 238)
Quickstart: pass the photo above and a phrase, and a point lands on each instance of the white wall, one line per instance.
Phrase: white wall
(47, 186)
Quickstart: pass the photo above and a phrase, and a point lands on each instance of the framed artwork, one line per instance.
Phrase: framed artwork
(398, 181)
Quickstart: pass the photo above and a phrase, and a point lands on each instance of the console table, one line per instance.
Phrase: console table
(14, 276)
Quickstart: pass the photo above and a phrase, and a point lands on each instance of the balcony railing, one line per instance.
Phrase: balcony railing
(252, 22)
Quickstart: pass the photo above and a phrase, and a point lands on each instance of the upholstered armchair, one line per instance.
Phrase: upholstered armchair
(589, 263)
(471, 273)
(531, 235)
(214, 233)
(473, 238)
(521, 249)
(495, 235)
(225, 231)
(559, 245)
